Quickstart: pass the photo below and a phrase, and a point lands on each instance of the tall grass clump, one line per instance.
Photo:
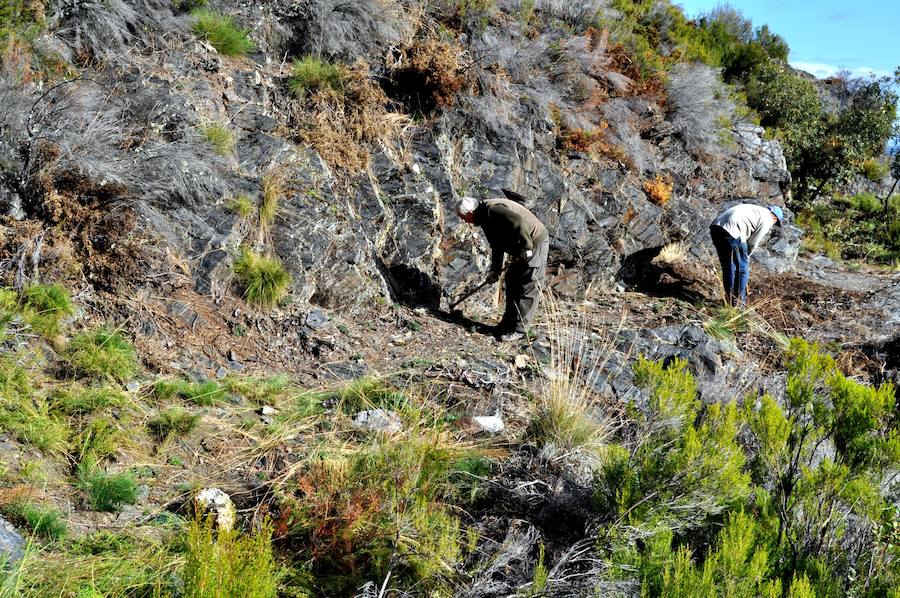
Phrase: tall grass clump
(310, 74)
(175, 421)
(220, 31)
(273, 186)
(46, 307)
(204, 393)
(102, 354)
(219, 137)
(226, 563)
(241, 205)
(568, 418)
(46, 522)
(31, 420)
(264, 280)
(106, 492)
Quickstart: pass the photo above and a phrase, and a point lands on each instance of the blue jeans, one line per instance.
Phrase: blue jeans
(735, 265)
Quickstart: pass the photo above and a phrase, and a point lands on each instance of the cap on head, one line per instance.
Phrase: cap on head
(466, 206)
(779, 213)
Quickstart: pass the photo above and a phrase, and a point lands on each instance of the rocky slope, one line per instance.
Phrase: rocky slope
(114, 187)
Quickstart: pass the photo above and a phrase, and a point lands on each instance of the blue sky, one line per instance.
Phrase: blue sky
(826, 35)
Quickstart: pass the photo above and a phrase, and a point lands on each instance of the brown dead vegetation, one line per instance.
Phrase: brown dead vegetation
(341, 126)
(426, 75)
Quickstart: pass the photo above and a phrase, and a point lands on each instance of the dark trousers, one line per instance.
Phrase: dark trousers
(523, 288)
(735, 265)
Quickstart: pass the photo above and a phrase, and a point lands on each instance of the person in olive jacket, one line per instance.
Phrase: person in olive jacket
(511, 229)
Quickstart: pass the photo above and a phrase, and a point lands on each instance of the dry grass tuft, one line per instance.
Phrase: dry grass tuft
(673, 253)
(427, 75)
(342, 126)
(273, 185)
(568, 419)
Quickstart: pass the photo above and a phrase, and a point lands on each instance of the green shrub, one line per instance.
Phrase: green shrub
(866, 203)
(200, 393)
(222, 33)
(241, 205)
(893, 233)
(874, 169)
(226, 564)
(102, 354)
(310, 74)
(264, 280)
(219, 137)
(45, 522)
(105, 492)
(173, 421)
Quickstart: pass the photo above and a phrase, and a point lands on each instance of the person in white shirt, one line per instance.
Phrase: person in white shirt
(736, 234)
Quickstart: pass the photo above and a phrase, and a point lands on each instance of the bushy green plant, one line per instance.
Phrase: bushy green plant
(103, 354)
(173, 421)
(264, 280)
(310, 74)
(874, 169)
(219, 137)
(106, 492)
(866, 203)
(226, 564)
(204, 393)
(43, 521)
(31, 421)
(222, 33)
(684, 469)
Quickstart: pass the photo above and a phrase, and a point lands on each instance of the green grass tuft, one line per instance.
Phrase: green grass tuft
(31, 421)
(220, 31)
(264, 280)
(45, 522)
(256, 389)
(200, 393)
(241, 205)
(99, 439)
(102, 354)
(75, 399)
(105, 492)
(310, 74)
(219, 137)
(47, 306)
(173, 421)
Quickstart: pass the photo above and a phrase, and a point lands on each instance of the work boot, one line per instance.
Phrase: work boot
(511, 336)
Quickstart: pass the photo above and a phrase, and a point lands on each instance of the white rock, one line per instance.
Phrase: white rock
(379, 420)
(267, 410)
(217, 503)
(521, 361)
(491, 424)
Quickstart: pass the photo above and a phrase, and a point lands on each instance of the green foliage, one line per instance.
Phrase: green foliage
(101, 564)
(241, 205)
(311, 74)
(874, 169)
(866, 203)
(205, 393)
(540, 575)
(357, 514)
(261, 390)
(264, 281)
(75, 399)
(219, 137)
(686, 467)
(173, 421)
(21, 19)
(99, 439)
(222, 33)
(102, 354)
(45, 522)
(106, 492)
(31, 421)
(46, 306)
(229, 565)
(852, 229)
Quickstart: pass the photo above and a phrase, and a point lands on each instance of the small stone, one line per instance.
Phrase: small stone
(221, 373)
(133, 386)
(522, 361)
(620, 288)
(378, 420)
(217, 503)
(421, 311)
(268, 410)
(492, 424)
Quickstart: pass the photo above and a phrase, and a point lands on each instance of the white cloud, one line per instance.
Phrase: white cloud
(822, 71)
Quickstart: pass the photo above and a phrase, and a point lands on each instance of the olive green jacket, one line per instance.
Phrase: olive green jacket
(510, 228)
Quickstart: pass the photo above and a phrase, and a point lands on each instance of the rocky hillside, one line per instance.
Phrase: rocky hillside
(228, 254)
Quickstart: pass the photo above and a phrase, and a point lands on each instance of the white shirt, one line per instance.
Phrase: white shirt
(747, 222)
